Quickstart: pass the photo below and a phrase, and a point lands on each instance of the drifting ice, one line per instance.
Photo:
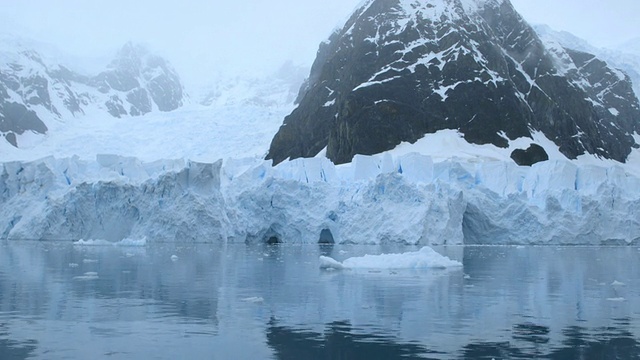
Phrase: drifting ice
(425, 258)
(123, 242)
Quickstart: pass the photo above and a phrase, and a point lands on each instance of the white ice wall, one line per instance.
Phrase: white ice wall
(375, 199)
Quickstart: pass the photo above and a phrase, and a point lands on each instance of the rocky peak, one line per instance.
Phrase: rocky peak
(400, 69)
(148, 80)
(34, 91)
(129, 58)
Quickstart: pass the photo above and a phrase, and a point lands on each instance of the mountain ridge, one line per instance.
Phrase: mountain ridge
(626, 58)
(35, 92)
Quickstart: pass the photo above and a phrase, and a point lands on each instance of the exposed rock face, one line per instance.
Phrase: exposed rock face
(145, 78)
(400, 69)
(533, 155)
(32, 92)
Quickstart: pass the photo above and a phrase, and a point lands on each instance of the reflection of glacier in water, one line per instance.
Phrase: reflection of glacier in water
(258, 302)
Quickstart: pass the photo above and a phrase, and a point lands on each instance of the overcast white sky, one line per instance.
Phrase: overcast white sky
(254, 36)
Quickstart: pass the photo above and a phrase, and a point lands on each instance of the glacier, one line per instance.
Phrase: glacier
(407, 198)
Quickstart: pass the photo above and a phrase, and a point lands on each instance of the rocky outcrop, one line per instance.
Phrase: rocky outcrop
(34, 92)
(146, 79)
(400, 69)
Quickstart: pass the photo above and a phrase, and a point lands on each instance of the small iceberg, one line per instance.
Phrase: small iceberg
(328, 263)
(618, 299)
(254, 299)
(425, 258)
(92, 242)
(87, 276)
(124, 242)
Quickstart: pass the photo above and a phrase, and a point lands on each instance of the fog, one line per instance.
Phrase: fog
(204, 39)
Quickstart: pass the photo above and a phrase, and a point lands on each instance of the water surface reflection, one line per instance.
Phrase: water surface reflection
(273, 302)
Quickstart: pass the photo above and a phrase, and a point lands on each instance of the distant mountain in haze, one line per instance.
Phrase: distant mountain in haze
(625, 57)
(400, 69)
(34, 90)
(274, 90)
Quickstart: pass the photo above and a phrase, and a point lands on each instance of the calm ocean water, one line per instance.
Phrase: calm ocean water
(165, 301)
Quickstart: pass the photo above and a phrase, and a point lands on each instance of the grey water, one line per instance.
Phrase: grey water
(64, 301)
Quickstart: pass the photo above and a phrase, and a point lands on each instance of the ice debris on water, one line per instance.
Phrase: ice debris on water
(330, 263)
(421, 259)
(174, 258)
(87, 276)
(618, 283)
(124, 242)
(254, 299)
(618, 299)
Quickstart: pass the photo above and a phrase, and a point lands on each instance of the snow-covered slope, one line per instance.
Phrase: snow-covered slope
(233, 118)
(625, 57)
(275, 90)
(36, 92)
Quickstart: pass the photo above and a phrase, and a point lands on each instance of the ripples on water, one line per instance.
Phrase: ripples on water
(60, 301)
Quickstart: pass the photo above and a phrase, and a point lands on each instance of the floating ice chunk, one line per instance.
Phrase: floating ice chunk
(132, 242)
(174, 258)
(618, 283)
(329, 263)
(89, 261)
(254, 299)
(422, 259)
(91, 242)
(87, 276)
(618, 299)
(73, 265)
(123, 242)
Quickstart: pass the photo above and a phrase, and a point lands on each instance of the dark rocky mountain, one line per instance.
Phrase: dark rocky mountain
(34, 92)
(400, 69)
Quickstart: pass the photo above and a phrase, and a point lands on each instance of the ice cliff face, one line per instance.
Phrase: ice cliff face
(376, 199)
(34, 92)
(400, 69)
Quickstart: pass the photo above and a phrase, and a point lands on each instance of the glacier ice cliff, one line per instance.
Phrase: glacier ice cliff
(375, 199)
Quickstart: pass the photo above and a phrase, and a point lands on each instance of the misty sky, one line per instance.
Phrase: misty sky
(255, 36)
